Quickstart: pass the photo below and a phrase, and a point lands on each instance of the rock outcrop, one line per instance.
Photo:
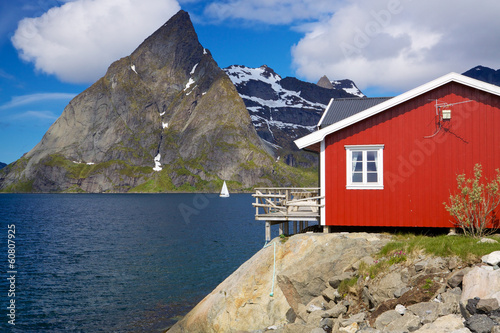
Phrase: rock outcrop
(303, 264)
(319, 283)
(165, 118)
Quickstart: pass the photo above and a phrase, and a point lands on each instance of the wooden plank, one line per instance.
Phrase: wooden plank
(281, 196)
(268, 205)
(308, 198)
(298, 204)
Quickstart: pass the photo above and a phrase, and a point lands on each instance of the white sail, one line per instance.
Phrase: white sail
(224, 193)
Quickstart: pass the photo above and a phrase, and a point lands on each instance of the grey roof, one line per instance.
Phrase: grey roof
(343, 108)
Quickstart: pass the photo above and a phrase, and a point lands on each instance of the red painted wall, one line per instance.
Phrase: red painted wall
(419, 173)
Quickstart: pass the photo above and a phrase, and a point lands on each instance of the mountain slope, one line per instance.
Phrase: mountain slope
(283, 110)
(165, 118)
(484, 74)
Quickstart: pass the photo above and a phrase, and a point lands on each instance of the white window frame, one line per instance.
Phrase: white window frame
(379, 185)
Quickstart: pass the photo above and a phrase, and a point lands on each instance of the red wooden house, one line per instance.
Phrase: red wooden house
(393, 162)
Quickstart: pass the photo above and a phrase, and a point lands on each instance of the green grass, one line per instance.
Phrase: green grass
(402, 247)
(428, 284)
(346, 285)
(466, 248)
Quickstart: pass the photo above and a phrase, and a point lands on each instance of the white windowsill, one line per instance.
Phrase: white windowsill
(364, 187)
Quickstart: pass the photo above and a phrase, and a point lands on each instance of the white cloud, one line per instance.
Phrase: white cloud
(80, 39)
(36, 115)
(17, 101)
(399, 44)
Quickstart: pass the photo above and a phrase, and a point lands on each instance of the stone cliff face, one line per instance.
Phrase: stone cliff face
(165, 118)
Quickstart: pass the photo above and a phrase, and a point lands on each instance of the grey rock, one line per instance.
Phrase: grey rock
(368, 298)
(488, 241)
(450, 303)
(428, 312)
(492, 259)
(326, 323)
(420, 266)
(386, 287)
(487, 305)
(450, 323)
(315, 330)
(316, 304)
(455, 280)
(482, 283)
(408, 323)
(386, 318)
(336, 311)
(331, 294)
(399, 292)
(453, 263)
(471, 306)
(357, 318)
(480, 323)
(369, 330)
(291, 316)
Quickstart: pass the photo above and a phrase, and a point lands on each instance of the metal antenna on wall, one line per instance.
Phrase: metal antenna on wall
(439, 114)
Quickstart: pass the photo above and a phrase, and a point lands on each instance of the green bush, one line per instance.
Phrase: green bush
(474, 206)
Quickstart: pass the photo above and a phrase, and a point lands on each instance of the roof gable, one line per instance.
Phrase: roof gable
(319, 135)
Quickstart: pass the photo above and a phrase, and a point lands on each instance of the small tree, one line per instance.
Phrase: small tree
(473, 208)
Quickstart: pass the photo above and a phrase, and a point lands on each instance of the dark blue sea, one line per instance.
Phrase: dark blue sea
(117, 262)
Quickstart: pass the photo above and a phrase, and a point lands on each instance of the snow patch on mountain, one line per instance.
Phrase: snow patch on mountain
(283, 110)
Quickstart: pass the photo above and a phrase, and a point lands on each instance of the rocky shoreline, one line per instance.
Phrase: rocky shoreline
(319, 283)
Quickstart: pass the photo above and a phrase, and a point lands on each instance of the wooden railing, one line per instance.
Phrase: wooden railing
(287, 204)
(282, 205)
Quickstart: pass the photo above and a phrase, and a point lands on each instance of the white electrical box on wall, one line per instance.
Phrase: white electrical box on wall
(446, 114)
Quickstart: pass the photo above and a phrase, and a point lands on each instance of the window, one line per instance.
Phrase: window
(365, 167)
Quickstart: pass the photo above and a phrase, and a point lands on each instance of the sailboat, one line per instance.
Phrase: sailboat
(224, 193)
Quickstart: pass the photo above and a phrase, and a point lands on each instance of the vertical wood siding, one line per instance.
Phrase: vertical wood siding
(420, 166)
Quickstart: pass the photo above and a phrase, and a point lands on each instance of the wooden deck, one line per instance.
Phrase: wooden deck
(281, 205)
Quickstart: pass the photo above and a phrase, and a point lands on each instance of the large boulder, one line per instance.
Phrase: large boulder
(243, 301)
(446, 324)
(482, 283)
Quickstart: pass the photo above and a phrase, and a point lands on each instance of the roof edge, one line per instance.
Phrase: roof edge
(325, 112)
(319, 135)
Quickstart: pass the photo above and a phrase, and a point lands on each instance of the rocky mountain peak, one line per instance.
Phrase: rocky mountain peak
(324, 82)
(268, 72)
(165, 118)
(174, 44)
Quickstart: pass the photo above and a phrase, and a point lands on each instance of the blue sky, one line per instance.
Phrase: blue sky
(51, 50)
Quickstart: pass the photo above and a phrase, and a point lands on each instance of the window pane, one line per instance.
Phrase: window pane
(372, 177)
(357, 177)
(371, 166)
(357, 166)
(371, 155)
(357, 156)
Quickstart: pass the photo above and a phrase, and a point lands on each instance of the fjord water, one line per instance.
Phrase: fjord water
(119, 262)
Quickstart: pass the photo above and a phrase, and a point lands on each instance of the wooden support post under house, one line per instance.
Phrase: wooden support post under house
(268, 231)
